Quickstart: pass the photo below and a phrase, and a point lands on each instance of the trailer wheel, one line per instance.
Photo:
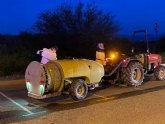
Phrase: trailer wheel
(133, 74)
(159, 72)
(78, 89)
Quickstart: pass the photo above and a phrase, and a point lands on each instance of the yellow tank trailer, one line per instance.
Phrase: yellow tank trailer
(74, 75)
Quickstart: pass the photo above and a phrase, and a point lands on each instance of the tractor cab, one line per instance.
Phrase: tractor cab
(149, 60)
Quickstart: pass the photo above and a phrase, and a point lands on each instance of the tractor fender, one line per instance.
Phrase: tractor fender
(126, 61)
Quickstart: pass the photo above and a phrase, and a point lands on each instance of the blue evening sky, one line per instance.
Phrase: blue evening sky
(20, 15)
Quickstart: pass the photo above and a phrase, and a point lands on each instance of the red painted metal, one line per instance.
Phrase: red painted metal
(155, 59)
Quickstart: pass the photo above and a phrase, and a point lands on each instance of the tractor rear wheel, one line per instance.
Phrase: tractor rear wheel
(159, 72)
(78, 89)
(133, 74)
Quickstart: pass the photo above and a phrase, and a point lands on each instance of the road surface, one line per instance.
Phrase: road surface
(106, 105)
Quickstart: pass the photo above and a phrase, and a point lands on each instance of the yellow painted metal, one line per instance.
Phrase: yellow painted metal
(100, 57)
(89, 69)
(55, 81)
(49, 78)
(74, 68)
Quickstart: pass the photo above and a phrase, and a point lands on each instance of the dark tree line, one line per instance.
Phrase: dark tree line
(75, 30)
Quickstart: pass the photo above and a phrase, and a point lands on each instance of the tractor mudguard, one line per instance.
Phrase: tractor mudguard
(126, 61)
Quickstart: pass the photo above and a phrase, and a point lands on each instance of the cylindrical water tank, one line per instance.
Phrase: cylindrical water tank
(47, 78)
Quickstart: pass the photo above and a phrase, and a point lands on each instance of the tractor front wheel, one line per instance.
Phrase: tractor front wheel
(78, 89)
(159, 72)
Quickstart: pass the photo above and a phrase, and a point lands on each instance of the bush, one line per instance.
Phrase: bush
(14, 64)
(163, 56)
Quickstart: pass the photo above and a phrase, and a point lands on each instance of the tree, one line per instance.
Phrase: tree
(80, 26)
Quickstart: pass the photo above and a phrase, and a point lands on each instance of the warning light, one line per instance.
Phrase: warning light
(41, 82)
(112, 56)
(124, 60)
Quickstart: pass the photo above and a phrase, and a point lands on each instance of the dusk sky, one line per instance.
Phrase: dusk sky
(20, 15)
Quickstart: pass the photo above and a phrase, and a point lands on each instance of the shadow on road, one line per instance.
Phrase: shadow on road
(62, 103)
(55, 106)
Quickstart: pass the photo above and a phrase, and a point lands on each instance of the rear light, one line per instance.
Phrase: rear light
(41, 82)
(28, 85)
(27, 81)
(124, 60)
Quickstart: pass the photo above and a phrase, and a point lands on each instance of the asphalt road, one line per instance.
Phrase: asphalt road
(106, 105)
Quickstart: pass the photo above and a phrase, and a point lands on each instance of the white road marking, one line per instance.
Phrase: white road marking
(25, 109)
(37, 106)
(34, 113)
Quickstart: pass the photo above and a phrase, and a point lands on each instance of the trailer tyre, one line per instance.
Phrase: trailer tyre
(159, 72)
(133, 74)
(78, 89)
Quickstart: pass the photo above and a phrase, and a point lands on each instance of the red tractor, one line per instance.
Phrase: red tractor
(130, 70)
(120, 69)
(152, 63)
